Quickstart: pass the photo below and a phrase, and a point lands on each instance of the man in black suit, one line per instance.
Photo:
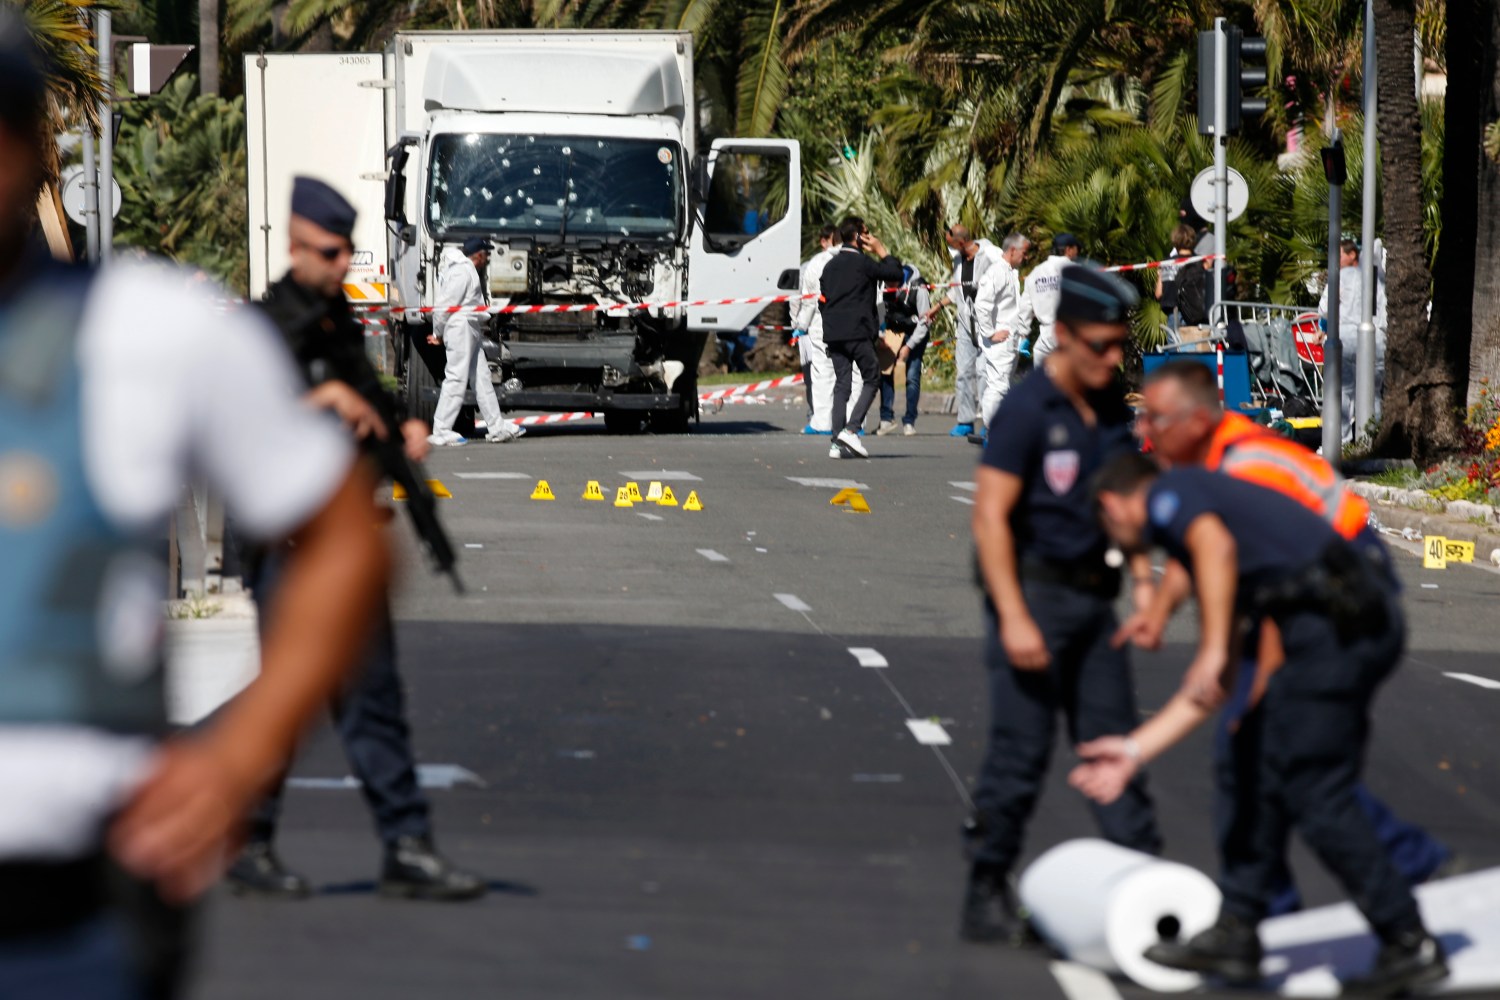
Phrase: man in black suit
(852, 284)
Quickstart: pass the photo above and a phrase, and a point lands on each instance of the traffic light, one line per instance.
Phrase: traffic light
(1239, 76)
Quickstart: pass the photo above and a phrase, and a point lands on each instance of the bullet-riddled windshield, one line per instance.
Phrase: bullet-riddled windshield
(542, 186)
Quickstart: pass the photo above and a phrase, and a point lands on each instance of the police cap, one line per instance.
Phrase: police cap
(1091, 295)
(23, 85)
(322, 206)
(474, 244)
(1062, 241)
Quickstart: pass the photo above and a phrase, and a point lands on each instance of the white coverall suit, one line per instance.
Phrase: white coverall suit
(807, 317)
(968, 355)
(1000, 306)
(461, 333)
(1043, 289)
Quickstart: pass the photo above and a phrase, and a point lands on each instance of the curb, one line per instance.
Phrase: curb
(1424, 514)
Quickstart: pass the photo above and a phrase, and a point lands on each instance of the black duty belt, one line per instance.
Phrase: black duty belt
(1090, 578)
(38, 897)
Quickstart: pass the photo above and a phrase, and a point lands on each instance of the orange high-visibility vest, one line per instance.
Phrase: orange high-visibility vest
(1245, 450)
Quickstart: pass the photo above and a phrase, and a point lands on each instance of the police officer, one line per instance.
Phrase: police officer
(308, 306)
(1049, 592)
(1256, 551)
(1182, 417)
(102, 418)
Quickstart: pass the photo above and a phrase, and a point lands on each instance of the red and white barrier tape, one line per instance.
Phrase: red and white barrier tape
(728, 394)
(739, 390)
(1152, 265)
(588, 307)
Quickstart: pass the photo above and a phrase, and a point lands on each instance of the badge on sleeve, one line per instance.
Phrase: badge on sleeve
(1060, 470)
(1164, 507)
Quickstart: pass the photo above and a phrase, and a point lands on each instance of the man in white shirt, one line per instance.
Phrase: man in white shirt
(972, 259)
(1001, 317)
(1043, 287)
(808, 320)
(462, 333)
(1351, 287)
(115, 389)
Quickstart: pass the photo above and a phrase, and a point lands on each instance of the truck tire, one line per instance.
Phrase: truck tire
(680, 420)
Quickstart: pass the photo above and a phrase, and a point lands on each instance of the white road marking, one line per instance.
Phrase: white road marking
(929, 733)
(428, 776)
(713, 556)
(793, 602)
(1483, 682)
(876, 779)
(962, 500)
(650, 517)
(473, 545)
(868, 657)
(964, 486)
(829, 484)
(494, 475)
(662, 476)
(1429, 586)
(1079, 982)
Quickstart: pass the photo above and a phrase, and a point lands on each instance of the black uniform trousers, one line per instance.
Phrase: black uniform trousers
(1090, 684)
(1298, 757)
(370, 716)
(847, 355)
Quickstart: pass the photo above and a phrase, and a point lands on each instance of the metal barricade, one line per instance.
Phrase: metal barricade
(1284, 345)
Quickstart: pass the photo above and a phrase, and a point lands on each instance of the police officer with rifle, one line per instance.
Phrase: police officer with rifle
(308, 307)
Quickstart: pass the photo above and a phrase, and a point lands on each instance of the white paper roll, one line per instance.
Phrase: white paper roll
(1102, 905)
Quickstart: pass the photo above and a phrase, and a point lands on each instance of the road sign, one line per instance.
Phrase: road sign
(1202, 193)
(72, 195)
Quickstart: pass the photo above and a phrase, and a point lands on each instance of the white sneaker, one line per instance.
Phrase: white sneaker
(834, 451)
(509, 431)
(853, 443)
(446, 439)
(886, 427)
(909, 430)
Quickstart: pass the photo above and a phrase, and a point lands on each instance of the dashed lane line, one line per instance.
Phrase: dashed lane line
(1079, 982)
(493, 475)
(929, 733)
(971, 487)
(794, 602)
(828, 484)
(713, 556)
(964, 500)
(868, 657)
(650, 517)
(663, 476)
(1483, 682)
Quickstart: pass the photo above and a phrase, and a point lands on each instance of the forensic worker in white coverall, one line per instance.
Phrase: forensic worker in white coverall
(1043, 286)
(1002, 315)
(808, 320)
(972, 260)
(462, 334)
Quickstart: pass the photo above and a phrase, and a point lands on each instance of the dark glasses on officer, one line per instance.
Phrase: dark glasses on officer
(1104, 345)
(329, 254)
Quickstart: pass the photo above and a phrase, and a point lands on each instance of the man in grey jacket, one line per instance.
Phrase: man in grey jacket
(462, 333)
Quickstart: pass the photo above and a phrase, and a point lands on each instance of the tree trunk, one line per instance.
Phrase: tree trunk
(1424, 388)
(1485, 353)
(208, 46)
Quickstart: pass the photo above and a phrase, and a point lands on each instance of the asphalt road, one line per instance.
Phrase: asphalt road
(692, 788)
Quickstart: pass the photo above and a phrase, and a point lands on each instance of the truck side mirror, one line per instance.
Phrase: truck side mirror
(395, 180)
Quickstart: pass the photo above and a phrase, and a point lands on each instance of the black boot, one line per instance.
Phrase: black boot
(1230, 949)
(415, 870)
(1407, 960)
(992, 913)
(259, 872)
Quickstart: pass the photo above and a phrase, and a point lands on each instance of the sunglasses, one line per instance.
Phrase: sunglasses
(329, 254)
(1103, 347)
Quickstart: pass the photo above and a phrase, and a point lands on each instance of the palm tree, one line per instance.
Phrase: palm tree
(1477, 72)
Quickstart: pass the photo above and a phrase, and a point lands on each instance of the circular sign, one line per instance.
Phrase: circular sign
(1203, 194)
(72, 194)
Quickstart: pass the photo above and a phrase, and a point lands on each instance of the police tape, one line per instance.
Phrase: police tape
(585, 307)
(728, 394)
(1170, 261)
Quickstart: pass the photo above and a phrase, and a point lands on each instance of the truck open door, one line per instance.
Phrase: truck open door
(749, 241)
(322, 115)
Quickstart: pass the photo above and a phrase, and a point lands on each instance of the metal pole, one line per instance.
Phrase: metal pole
(90, 194)
(1221, 160)
(1333, 417)
(1364, 356)
(104, 43)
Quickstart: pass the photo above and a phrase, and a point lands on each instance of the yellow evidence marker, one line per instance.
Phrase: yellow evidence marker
(543, 491)
(857, 505)
(592, 491)
(1434, 552)
(1456, 551)
(622, 498)
(653, 492)
(693, 503)
(398, 492)
(842, 496)
(634, 492)
(667, 498)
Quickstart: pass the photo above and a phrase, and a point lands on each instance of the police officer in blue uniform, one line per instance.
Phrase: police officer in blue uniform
(309, 308)
(1256, 553)
(1050, 592)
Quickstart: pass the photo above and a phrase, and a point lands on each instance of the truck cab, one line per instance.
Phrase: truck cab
(576, 155)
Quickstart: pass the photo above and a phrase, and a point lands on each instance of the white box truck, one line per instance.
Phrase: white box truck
(576, 154)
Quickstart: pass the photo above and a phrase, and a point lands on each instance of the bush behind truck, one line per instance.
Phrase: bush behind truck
(576, 154)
